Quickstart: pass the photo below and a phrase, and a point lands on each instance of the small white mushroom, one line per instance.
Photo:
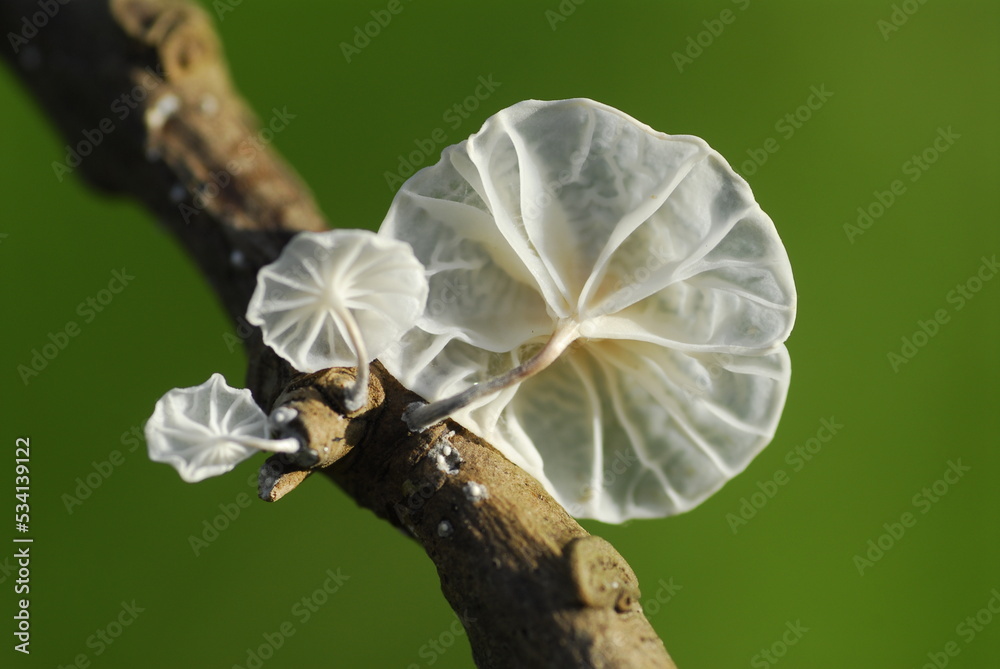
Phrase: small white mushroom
(282, 416)
(337, 299)
(445, 529)
(207, 430)
(161, 110)
(446, 458)
(475, 492)
(586, 270)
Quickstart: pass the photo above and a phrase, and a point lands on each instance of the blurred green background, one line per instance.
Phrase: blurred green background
(877, 92)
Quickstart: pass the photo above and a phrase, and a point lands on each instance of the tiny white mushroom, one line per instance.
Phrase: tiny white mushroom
(586, 272)
(161, 110)
(338, 298)
(207, 430)
(475, 492)
(445, 529)
(283, 415)
(446, 458)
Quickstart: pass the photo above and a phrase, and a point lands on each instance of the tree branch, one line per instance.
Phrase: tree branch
(532, 588)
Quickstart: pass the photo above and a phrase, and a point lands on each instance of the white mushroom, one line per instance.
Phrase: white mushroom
(337, 299)
(609, 306)
(207, 430)
(160, 111)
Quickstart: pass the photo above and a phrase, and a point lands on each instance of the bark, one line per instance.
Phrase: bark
(531, 586)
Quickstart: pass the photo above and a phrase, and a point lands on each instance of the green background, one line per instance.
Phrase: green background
(734, 593)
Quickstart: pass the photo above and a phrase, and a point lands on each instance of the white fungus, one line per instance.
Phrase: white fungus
(445, 529)
(446, 458)
(608, 306)
(207, 430)
(160, 111)
(337, 299)
(475, 492)
(283, 415)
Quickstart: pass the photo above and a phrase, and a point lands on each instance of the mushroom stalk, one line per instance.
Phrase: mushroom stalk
(356, 393)
(421, 416)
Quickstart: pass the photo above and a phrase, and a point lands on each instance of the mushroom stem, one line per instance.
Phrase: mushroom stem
(287, 445)
(419, 417)
(356, 393)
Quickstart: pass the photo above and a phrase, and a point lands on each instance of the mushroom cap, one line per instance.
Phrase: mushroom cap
(572, 213)
(207, 430)
(304, 299)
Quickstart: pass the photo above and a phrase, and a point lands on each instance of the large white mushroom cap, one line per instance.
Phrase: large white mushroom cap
(571, 217)
(207, 430)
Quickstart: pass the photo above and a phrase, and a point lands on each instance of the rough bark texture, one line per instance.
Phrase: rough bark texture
(532, 588)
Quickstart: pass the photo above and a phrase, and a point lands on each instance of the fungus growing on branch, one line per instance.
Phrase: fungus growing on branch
(207, 430)
(608, 306)
(337, 299)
